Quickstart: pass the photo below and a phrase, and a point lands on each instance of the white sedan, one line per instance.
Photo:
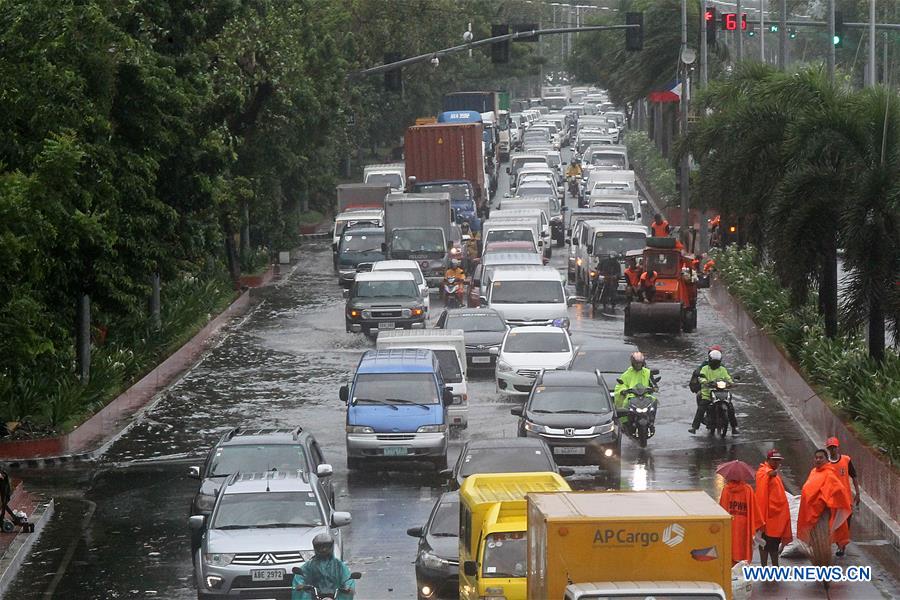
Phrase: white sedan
(527, 350)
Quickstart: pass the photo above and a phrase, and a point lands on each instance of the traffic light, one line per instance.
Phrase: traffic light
(393, 80)
(838, 29)
(792, 33)
(500, 50)
(711, 26)
(751, 30)
(634, 36)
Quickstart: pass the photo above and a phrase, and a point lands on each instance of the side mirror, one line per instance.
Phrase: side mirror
(495, 351)
(621, 412)
(736, 377)
(446, 474)
(507, 171)
(571, 300)
(507, 195)
(194, 472)
(516, 412)
(355, 575)
(448, 397)
(654, 371)
(415, 532)
(566, 471)
(476, 283)
(470, 569)
(384, 247)
(324, 470)
(483, 300)
(344, 393)
(196, 522)
(340, 519)
(297, 571)
(345, 293)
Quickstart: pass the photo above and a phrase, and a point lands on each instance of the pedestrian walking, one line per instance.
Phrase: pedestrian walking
(739, 500)
(843, 468)
(823, 497)
(773, 507)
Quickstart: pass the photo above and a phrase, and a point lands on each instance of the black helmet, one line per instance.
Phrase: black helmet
(323, 545)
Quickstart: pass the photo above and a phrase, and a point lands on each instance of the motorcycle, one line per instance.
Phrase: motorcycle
(717, 412)
(342, 593)
(603, 290)
(641, 411)
(453, 292)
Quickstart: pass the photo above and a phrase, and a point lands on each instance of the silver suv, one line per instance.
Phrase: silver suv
(261, 526)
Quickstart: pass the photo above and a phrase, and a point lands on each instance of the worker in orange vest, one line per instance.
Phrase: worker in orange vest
(647, 286)
(632, 278)
(660, 227)
(843, 468)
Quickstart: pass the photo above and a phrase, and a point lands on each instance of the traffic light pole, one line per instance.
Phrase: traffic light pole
(830, 13)
(782, 36)
(499, 38)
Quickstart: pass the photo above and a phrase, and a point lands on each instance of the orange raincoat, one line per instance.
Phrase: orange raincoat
(841, 535)
(773, 506)
(823, 490)
(740, 502)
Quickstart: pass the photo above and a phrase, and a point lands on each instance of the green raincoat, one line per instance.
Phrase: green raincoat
(327, 575)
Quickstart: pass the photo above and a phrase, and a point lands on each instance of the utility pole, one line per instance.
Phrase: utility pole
(782, 36)
(762, 31)
(704, 81)
(685, 163)
(831, 40)
(871, 69)
(740, 32)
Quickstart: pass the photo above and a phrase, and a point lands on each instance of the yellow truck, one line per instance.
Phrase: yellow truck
(493, 531)
(612, 545)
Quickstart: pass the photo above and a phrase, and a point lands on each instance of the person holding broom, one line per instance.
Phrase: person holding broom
(773, 506)
(825, 500)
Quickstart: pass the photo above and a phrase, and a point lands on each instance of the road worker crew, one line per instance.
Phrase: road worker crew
(660, 227)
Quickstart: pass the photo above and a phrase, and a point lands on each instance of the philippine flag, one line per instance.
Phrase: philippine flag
(705, 553)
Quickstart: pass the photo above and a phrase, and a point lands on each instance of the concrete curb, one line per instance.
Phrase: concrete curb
(880, 506)
(18, 551)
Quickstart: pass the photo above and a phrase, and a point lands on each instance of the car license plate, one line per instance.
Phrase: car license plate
(267, 574)
(395, 451)
(481, 359)
(568, 450)
(386, 325)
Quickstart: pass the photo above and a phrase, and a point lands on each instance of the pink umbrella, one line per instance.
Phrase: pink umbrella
(736, 470)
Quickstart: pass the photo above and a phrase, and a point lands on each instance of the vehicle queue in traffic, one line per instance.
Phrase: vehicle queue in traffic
(426, 227)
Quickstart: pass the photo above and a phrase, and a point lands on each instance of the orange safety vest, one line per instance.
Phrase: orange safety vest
(659, 229)
(633, 276)
(647, 280)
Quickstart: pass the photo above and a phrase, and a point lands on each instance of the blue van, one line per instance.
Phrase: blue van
(397, 408)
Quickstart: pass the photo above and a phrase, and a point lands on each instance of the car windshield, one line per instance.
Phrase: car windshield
(618, 242)
(268, 509)
(535, 190)
(417, 275)
(450, 369)
(341, 225)
(446, 520)
(536, 341)
(509, 235)
(418, 240)
(616, 161)
(457, 191)
(505, 460)
(518, 163)
(392, 179)
(664, 263)
(476, 322)
(257, 458)
(628, 207)
(378, 388)
(504, 554)
(570, 399)
(386, 289)
(361, 244)
(527, 291)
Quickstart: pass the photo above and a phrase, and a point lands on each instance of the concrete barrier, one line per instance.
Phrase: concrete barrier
(880, 480)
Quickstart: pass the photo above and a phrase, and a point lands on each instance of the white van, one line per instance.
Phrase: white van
(450, 348)
(522, 232)
(551, 208)
(529, 295)
(538, 222)
(631, 204)
(600, 238)
(393, 174)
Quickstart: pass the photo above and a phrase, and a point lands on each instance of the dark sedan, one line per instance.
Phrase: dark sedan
(572, 412)
(483, 329)
(611, 360)
(437, 559)
(504, 455)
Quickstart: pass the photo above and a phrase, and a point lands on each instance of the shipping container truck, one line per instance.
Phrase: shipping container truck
(417, 227)
(493, 532)
(447, 152)
(601, 538)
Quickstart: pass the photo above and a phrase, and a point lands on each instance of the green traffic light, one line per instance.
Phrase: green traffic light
(793, 34)
(837, 40)
(751, 33)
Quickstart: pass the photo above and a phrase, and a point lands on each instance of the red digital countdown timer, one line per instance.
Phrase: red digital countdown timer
(730, 21)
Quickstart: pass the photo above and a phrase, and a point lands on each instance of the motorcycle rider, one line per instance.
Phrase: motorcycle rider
(712, 371)
(324, 571)
(637, 374)
(573, 177)
(470, 246)
(609, 268)
(574, 169)
(454, 271)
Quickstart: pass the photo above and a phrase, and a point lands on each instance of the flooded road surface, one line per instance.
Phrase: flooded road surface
(121, 524)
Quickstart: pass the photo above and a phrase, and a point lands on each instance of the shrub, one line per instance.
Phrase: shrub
(654, 169)
(311, 217)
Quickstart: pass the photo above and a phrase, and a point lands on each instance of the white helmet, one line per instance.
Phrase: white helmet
(715, 355)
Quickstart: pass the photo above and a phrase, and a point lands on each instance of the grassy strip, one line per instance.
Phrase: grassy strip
(859, 388)
(655, 170)
(54, 401)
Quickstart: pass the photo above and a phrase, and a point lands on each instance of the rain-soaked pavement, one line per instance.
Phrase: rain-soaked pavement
(121, 525)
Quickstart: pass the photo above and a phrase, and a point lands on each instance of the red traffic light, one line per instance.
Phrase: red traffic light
(710, 15)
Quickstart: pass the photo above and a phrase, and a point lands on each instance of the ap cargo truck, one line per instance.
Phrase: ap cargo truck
(602, 540)
(447, 152)
(417, 227)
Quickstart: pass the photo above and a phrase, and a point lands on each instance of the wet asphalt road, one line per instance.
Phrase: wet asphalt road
(121, 524)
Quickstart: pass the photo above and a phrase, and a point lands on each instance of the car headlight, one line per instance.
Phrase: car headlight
(606, 428)
(534, 427)
(432, 429)
(206, 502)
(359, 429)
(418, 311)
(431, 560)
(219, 560)
(504, 367)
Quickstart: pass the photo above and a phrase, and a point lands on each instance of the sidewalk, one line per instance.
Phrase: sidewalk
(14, 546)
